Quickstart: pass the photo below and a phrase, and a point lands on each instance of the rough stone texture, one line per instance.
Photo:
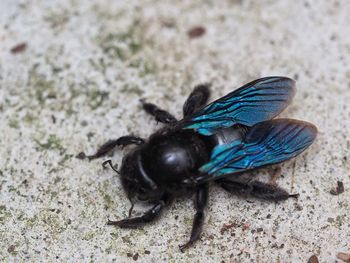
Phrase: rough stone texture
(78, 83)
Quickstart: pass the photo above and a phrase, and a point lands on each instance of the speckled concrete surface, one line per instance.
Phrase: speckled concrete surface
(78, 81)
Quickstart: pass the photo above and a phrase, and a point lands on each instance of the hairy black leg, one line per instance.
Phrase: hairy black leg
(257, 189)
(159, 114)
(134, 222)
(198, 98)
(200, 204)
(111, 144)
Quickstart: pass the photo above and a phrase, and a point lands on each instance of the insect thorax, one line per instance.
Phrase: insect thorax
(174, 156)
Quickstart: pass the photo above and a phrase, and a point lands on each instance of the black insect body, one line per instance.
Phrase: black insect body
(213, 143)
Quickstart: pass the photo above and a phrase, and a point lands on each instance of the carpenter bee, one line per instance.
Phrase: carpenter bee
(211, 144)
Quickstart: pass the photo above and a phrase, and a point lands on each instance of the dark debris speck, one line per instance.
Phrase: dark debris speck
(11, 249)
(313, 259)
(196, 32)
(18, 48)
(135, 257)
(340, 188)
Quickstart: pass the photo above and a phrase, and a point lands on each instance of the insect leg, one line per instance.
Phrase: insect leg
(198, 98)
(134, 222)
(200, 204)
(257, 189)
(111, 144)
(159, 114)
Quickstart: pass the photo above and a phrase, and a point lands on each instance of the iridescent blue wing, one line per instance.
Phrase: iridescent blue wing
(257, 101)
(268, 142)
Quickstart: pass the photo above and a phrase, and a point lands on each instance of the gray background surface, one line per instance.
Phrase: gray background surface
(79, 81)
